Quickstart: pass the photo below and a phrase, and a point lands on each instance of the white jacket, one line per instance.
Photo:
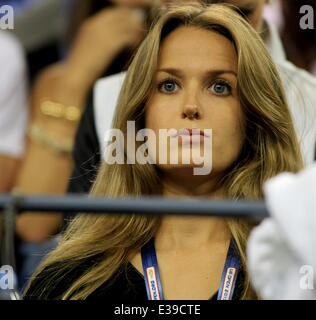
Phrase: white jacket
(281, 250)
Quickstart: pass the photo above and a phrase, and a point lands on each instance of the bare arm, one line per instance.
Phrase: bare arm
(45, 171)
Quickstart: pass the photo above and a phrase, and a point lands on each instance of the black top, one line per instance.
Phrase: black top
(128, 285)
(86, 153)
(86, 156)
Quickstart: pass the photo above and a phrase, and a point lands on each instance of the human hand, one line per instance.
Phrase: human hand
(100, 39)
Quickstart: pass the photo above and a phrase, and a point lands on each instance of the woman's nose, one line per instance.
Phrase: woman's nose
(191, 112)
(191, 104)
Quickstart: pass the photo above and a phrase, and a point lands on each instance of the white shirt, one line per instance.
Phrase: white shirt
(13, 97)
(299, 85)
(300, 88)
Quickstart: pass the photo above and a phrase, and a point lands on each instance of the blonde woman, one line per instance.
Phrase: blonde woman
(198, 68)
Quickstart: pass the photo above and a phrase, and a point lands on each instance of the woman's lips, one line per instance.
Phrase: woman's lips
(191, 132)
(191, 135)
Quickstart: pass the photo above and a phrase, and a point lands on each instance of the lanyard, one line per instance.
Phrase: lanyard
(152, 277)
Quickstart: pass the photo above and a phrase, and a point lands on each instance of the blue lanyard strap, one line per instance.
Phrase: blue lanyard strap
(153, 282)
(151, 272)
(229, 275)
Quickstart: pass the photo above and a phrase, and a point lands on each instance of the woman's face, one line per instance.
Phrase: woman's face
(195, 87)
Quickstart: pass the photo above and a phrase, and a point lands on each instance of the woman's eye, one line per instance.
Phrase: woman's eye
(221, 88)
(168, 86)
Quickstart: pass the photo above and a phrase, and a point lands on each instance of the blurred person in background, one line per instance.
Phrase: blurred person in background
(14, 113)
(38, 24)
(299, 44)
(103, 36)
(58, 97)
(13, 109)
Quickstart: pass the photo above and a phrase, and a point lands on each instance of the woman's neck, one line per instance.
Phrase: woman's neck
(181, 233)
(182, 183)
(190, 233)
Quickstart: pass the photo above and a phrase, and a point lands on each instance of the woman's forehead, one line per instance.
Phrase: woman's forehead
(190, 47)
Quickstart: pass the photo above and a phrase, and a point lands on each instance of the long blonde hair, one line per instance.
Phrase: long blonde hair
(270, 147)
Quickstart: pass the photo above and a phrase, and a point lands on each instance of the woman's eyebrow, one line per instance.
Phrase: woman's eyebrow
(216, 73)
(174, 72)
(210, 73)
